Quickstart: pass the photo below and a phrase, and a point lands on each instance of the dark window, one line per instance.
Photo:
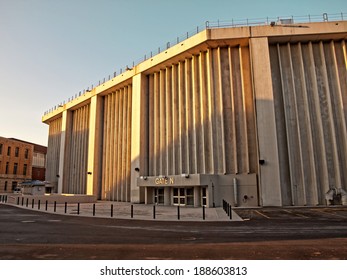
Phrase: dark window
(9, 151)
(26, 153)
(7, 165)
(15, 167)
(25, 169)
(0, 149)
(16, 152)
(5, 185)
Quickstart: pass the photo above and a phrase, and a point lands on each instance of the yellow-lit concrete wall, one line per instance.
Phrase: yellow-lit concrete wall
(53, 151)
(76, 151)
(201, 115)
(116, 150)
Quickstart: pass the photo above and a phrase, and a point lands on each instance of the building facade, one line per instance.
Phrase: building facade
(254, 115)
(38, 161)
(15, 163)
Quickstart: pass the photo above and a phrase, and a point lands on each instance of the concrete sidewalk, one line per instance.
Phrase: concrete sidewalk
(124, 210)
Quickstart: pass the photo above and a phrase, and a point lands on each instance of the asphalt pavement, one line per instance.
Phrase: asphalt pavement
(263, 233)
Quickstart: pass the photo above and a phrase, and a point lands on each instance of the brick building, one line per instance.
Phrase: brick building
(20, 161)
(16, 159)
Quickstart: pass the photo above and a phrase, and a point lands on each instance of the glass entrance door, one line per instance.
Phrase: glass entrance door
(179, 197)
(183, 196)
(159, 196)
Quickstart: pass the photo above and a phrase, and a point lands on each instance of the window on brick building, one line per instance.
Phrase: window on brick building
(25, 167)
(0, 149)
(8, 151)
(16, 152)
(7, 165)
(26, 155)
(15, 168)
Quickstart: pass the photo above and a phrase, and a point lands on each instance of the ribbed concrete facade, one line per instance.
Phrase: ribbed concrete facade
(309, 81)
(116, 151)
(252, 115)
(53, 151)
(199, 109)
(76, 151)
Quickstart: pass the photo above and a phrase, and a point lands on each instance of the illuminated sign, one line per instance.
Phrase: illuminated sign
(164, 181)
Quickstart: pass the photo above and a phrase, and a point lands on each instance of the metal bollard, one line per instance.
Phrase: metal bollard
(111, 210)
(132, 211)
(46, 205)
(153, 212)
(22, 201)
(203, 212)
(78, 208)
(55, 206)
(65, 207)
(93, 209)
(178, 212)
(32, 203)
(17, 200)
(39, 204)
(27, 202)
(231, 213)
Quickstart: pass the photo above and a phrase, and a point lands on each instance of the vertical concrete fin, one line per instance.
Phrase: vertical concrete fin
(267, 140)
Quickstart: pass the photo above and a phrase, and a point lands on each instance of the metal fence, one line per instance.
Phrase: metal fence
(211, 25)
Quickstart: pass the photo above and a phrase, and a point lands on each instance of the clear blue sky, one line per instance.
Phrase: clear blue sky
(52, 49)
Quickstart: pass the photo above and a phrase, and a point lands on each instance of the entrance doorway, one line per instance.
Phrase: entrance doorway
(183, 196)
(159, 196)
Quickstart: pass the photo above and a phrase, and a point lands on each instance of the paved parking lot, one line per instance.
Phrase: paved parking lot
(273, 213)
(265, 233)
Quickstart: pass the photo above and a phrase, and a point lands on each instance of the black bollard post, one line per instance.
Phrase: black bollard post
(231, 213)
(39, 204)
(17, 200)
(111, 210)
(203, 212)
(65, 208)
(178, 212)
(78, 208)
(153, 212)
(6, 198)
(27, 202)
(46, 205)
(32, 203)
(132, 211)
(93, 209)
(55, 206)
(22, 201)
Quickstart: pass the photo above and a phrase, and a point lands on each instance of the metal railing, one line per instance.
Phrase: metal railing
(210, 25)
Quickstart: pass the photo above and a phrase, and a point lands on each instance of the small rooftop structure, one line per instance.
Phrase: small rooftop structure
(35, 187)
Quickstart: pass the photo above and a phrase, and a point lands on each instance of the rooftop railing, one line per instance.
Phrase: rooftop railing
(210, 25)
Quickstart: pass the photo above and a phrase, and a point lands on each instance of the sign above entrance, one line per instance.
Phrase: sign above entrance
(164, 181)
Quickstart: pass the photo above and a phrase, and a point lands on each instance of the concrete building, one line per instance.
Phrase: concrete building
(15, 163)
(255, 115)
